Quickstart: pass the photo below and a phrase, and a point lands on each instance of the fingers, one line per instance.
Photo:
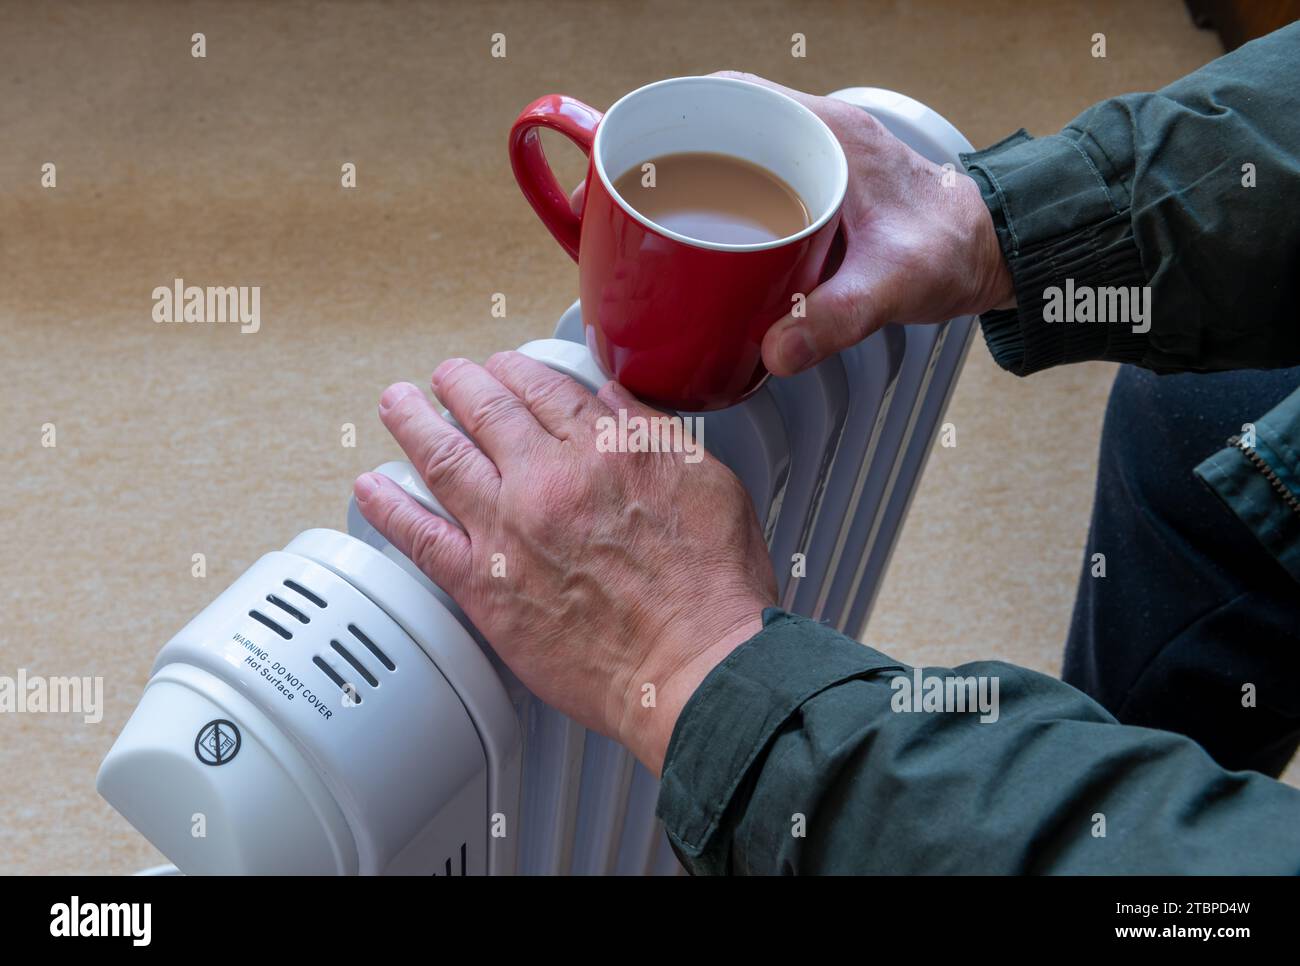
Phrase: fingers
(807, 100)
(578, 198)
(851, 125)
(564, 408)
(494, 416)
(440, 549)
(459, 475)
(842, 311)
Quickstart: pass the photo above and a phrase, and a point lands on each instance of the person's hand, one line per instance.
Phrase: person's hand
(919, 244)
(611, 583)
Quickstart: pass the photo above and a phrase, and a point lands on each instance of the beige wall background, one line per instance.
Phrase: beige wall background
(173, 441)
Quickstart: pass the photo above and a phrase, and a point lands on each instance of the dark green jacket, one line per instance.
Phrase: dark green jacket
(798, 754)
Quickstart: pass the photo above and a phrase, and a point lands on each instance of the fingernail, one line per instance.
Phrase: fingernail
(441, 372)
(795, 352)
(397, 391)
(366, 486)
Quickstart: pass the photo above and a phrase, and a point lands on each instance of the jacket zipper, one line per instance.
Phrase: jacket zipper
(1260, 464)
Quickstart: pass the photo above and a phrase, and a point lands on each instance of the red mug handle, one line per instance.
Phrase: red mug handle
(576, 121)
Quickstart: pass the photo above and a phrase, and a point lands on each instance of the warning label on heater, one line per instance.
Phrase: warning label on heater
(278, 676)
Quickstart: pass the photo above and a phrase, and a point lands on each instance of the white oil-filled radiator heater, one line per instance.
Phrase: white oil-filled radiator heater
(333, 711)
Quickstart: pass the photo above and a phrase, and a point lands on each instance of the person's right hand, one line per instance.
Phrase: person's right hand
(919, 244)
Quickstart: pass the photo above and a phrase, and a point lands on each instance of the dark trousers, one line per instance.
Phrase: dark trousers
(1191, 607)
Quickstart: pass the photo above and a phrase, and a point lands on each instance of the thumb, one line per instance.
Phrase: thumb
(840, 312)
(578, 198)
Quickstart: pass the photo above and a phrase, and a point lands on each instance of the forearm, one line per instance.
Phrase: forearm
(1152, 191)
(793, 756)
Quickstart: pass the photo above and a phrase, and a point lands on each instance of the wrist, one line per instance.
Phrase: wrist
(994, 286)
(660, 688)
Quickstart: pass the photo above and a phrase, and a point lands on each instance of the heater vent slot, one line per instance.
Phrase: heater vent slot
(351, 659)
(289, 609)
(348, 689)
(464, 864)
(298, 588)
(263, 619)
(372, 647)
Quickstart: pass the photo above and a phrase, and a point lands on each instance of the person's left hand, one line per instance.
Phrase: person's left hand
(603, 579)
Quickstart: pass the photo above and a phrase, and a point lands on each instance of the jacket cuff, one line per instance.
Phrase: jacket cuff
(1063, 225)
(1263, 490)
(728, 723)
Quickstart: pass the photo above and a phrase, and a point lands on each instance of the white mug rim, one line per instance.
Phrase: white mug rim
(841, 172)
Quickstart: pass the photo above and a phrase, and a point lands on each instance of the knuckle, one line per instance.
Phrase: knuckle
(491, 410)
(868, 123)
(427, 541)
(608, 394)
(555, 395)
(852, 125)
(615, 398)
(842, 116)
(541, 390)
(447, 459)
(733, 491)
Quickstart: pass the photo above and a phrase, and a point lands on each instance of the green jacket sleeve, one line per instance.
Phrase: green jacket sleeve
(806, 752)
(1189, 192)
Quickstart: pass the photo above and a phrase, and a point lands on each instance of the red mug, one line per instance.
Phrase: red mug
(676, 320)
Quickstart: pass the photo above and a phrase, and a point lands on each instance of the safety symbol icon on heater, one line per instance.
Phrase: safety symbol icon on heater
(217, 742)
